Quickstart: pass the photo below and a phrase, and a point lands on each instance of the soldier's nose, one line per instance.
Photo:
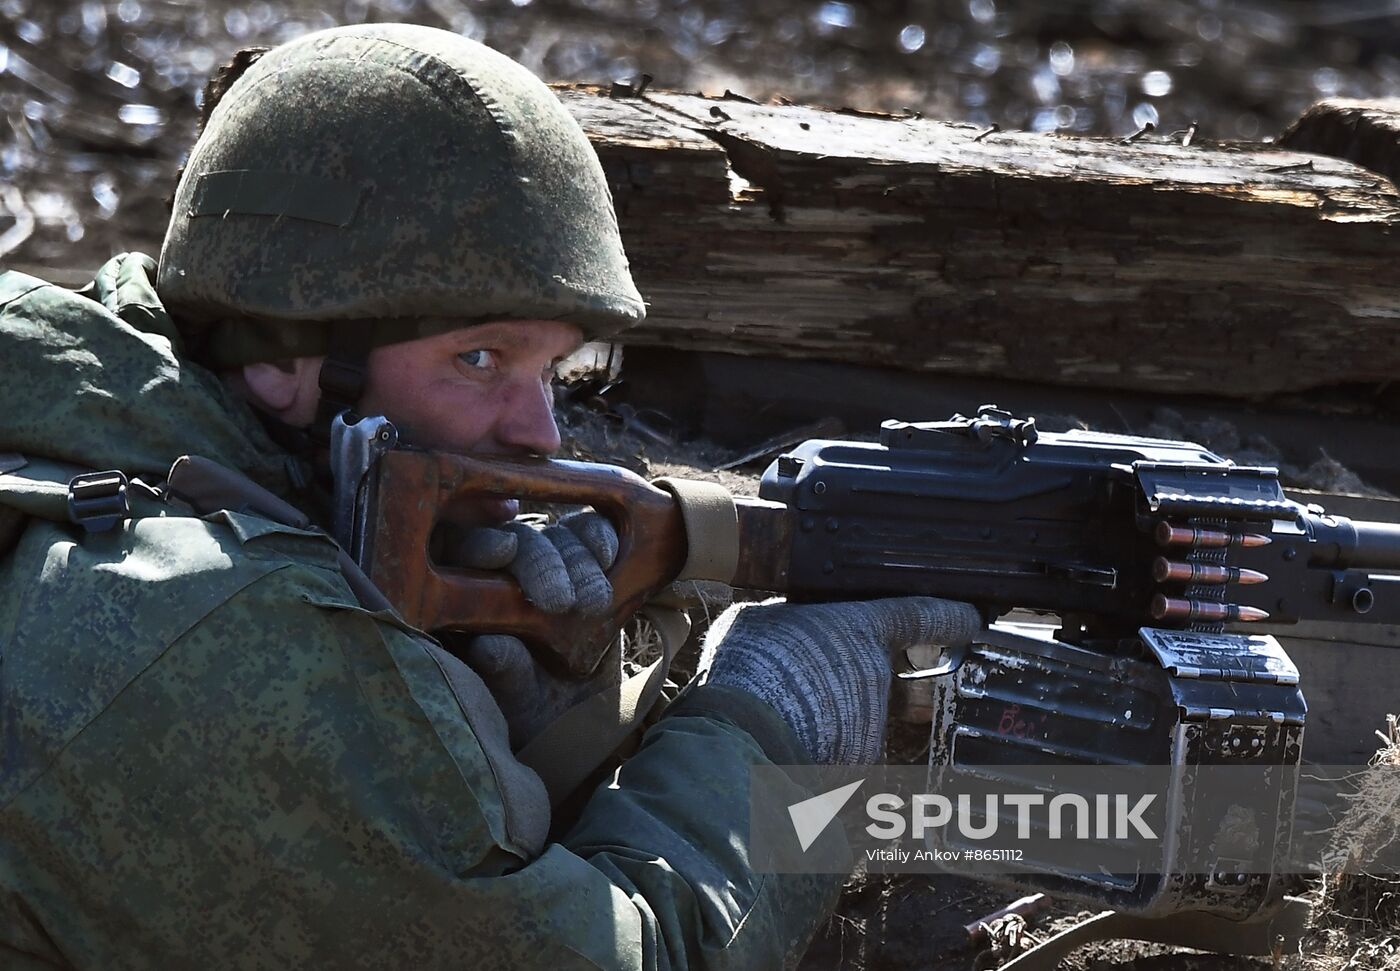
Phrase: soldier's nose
(528, 425)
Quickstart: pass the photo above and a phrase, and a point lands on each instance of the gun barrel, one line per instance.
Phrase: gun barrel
(1346, 544)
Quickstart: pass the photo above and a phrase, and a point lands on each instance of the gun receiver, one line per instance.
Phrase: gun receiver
(1110, 532)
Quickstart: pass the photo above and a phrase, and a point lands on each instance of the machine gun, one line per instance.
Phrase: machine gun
(1109, 532)
(1145, 550)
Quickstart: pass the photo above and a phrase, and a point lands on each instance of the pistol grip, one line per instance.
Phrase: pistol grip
(414, 485)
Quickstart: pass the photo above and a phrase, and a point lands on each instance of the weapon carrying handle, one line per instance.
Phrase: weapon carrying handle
(414, 485)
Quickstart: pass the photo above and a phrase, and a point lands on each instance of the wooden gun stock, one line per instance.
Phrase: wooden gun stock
(415, 485)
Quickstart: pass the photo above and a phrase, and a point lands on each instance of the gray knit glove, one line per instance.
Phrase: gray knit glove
(559, 568)
(825, 668)
(529, 694)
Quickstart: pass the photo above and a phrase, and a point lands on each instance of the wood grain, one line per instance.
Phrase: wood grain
(1239, 271)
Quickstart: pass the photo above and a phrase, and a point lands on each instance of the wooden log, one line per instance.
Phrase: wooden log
(1364, 132)
(1227, 270)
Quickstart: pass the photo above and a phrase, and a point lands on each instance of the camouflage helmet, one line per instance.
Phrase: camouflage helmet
(398, 176)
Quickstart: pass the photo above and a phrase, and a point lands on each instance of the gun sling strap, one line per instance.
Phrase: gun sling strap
(569, 749)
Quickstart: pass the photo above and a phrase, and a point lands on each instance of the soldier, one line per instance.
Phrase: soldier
(216, 751)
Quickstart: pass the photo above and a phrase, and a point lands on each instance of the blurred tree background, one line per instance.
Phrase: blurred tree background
(99, 97)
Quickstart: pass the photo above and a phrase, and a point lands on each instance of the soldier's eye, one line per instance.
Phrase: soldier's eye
(478, 358)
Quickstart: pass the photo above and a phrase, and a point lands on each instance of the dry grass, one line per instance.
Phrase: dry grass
(1356, 906)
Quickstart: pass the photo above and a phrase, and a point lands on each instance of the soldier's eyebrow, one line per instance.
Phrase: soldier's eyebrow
(501, 335)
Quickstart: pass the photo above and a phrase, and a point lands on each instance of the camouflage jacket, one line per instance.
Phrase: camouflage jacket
(212, 756)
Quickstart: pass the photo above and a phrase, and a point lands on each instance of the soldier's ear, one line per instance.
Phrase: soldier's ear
(288, 388)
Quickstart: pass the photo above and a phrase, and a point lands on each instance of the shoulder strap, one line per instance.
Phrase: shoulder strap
(56, 491)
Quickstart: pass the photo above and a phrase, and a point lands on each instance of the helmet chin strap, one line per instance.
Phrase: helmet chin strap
(343, 376)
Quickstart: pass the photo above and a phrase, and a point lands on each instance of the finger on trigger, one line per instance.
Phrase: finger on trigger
(540, 570)
(596, 533)
(902, 622)
(591, 589)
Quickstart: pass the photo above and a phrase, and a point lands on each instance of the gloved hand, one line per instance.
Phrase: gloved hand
(529, 694)
(825, 668)
(559, 568)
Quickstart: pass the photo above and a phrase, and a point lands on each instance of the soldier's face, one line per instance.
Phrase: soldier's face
(485, 389)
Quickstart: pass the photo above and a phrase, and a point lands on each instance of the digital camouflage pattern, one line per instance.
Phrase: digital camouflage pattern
(390, 172)
(211, 756)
